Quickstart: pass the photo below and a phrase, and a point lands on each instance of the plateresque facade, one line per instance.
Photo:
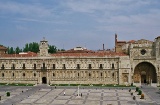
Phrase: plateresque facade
(132, 62)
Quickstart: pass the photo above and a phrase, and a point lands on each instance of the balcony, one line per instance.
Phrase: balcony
(89, 67)
(100, 67)
(43, 68)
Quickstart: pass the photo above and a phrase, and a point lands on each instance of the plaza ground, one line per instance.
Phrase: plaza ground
(49, 95)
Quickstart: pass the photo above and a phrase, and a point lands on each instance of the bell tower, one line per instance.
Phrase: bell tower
(43, 47)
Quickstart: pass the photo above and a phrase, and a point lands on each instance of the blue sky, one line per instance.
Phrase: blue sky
(70, 23)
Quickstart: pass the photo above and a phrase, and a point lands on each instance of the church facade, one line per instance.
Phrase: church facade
(132, 61)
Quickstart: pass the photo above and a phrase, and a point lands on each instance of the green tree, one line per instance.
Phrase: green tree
(11, 50)
(26, 48)
(52, 49)
(18, 50)
(33, 47)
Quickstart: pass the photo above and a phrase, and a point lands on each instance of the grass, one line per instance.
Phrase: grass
(15, 84)
(95, 85)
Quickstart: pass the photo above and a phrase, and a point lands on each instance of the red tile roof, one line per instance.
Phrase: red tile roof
(121, 41)
(131, 41)
(28, 54)
(95, 54)
(70, 54)
(2, 47)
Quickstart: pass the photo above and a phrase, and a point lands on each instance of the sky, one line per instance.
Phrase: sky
(71, 23)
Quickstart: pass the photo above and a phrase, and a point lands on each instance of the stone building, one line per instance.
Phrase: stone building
(3, 50)
(132, 62)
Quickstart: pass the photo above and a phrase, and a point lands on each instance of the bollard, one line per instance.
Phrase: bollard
(142, 96)
(134, 98)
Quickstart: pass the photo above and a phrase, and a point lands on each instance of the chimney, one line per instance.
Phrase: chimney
(103, 47)
(115, 41)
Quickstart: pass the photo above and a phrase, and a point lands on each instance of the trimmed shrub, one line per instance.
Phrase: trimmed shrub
(139, 92)
(8, 94)
(137, 89)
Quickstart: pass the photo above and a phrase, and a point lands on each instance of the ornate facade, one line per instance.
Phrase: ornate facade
(132, 62)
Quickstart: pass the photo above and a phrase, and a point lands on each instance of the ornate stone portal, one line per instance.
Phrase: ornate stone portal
(145, 73)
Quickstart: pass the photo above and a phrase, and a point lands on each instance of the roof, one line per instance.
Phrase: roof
(2, 47)
(28, 54)
(70, 54)
(89, 54)
(121, 41)
(131, 41)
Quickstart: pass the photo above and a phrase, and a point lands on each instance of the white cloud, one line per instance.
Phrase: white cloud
(20, 27)
(25, 9)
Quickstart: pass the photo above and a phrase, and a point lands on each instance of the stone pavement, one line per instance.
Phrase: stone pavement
(46, 95)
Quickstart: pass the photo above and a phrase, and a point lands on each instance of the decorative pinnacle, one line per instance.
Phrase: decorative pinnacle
(43, 38)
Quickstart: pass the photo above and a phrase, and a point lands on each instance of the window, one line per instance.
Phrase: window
(101, 67)
(53, 74)
(112, 65)
(2, 74)
(90, 66)
(89, 74)
(113, 75)
(34, 74)
(78, 66)
(23, 74)
(13, 66)
(12, 74)
(43, 65)
(54, 66)
(101, 74)
(35, 66)
(24, 66)
(143, 51)
(64, 66)
(78, 74)
(2, 67)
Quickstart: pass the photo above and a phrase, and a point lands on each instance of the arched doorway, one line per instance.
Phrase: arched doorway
(44, 80)
(145, 72)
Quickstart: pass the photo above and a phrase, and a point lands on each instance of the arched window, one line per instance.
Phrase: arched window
(112, 74)
(34, 74)
(13, 66)
(89, 74)
(112, 65)
(23, 74)
(13, 74)
(35, 66)
(2, 74)
(53, 74)
(24, 66)
(2, 67)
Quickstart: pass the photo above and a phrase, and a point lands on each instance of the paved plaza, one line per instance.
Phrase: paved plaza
(46, 95)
